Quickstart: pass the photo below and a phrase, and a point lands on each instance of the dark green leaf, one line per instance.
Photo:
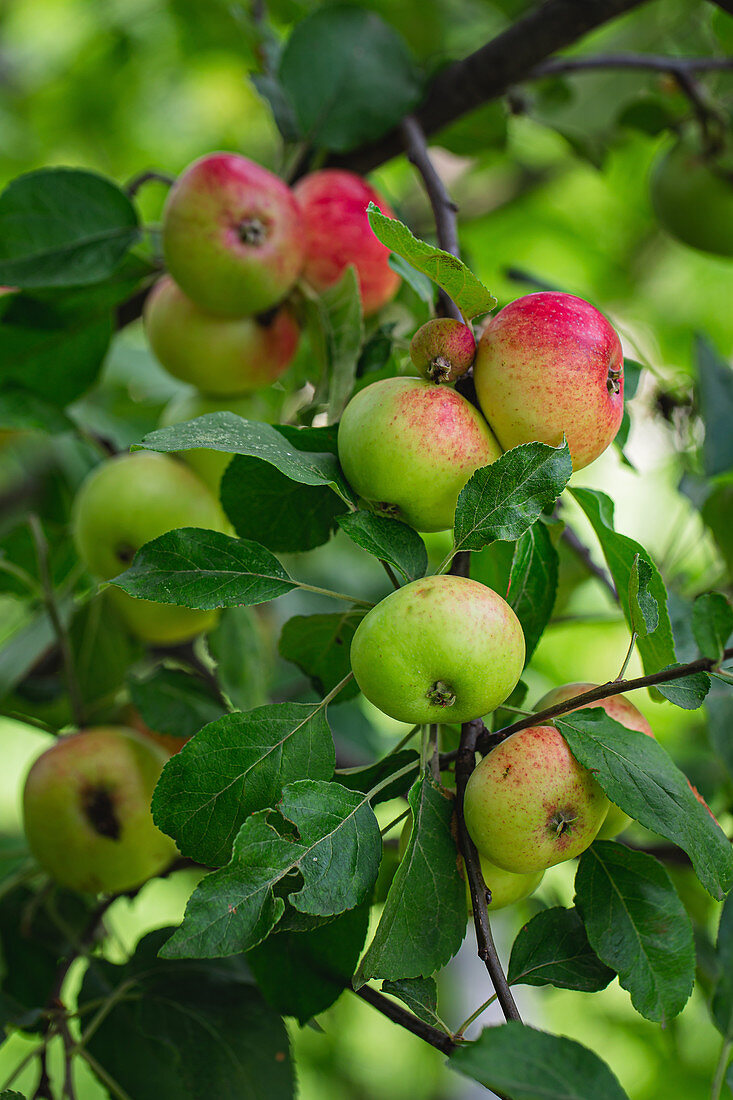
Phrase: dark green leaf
(643, 607)
(421, 997)
(722, 1002)
(531, 1065)
(283, 111)
(20, 651)
(715, 395)
(712, 623)
(638, 775)
(175, 702)
(243, 657)
(63, 227)
(533, 583)
(197, 1030)
(637, 924)
(632, 374)
(406, 944)
(553, 949)
(234, 766)
(719, 707)
(365, 779)
(337, 853)
(8, 1095)
(363, 83)
(342, 316)
(303, 973)
(22, 410)
(657, 649)
(319, 645)
(102, 648)
(450, 273)
(388, 539)
(688, 692)
(503, 500)
(192, 567)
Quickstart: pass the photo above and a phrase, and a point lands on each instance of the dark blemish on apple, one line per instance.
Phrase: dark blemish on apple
(99, 809)
(506, 771)
(124, 552)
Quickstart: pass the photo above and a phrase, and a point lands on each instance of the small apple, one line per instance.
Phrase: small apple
(529, 804)
(127, 501)
(338, 233)
(409, 447)
(86, 809)
(692, 196)
(549, 365)
(166, 741)
(621, 710)
(210, 465)
(441, 649)
(218, 355)
(233, 235)
(443, 349)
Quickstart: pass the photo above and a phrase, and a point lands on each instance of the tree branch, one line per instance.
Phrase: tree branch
(399, 1015)
(582, 552)
(556, 66)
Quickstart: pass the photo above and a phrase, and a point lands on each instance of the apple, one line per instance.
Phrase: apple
(408, 447)
(549, 365)
(233, 235)
(209, 465)
(86, 809)
(338, 233)
(218, 355)
(125, 502)
(529, 804)
(443, 349)
(167, 741)
(692, 196)
(621, 710)
(441, 649)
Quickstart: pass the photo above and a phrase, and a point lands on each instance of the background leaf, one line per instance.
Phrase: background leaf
(320, 645)
(715, 395)
(533, 583)
(712, 623)
(421, 997)
(722, 1002)
(174, 702)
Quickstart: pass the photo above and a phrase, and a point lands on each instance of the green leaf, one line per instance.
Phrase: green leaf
(450, 273)
(23, 410)
(192, 567)
(421, 997)
(63, 227)
(341, 308)
(282, 109)
(643, 607)
(27, 644)
(533, 583)
(363, 82)
(420, 283)
(503, 500)
(531, 1065)
(722, 1002)
(638, 775)
(8, 1095)
(688, 692)
(175, 702)
(243, 657)
(719, 707)
(365, 779)
(319, 645)
(235, 766)
(197, 1030)
(303, 973)
(715, 399)
(389, 540)
(553, 949)
(637, 924)
(712, 623)
(102, 648)
(337, 853)
(406, 944)
(657, 649)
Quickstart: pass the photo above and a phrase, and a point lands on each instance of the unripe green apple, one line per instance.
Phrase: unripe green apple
(441, 649)
(443, 349)
(218, 355)
(86, 808)
(529, 804)
(209, 465)
(549, 365)
(621, 710)
(127, 501)
(233, 235)
(692, 196)
(409, 447)
(334, 203)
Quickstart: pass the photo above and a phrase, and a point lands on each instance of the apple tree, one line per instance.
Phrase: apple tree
(297, 484)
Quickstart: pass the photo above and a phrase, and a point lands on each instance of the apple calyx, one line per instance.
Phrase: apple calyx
(613, 382)
(561, 822)
(441, 694)
(252, 231)
(439, 369)
(99, 809)
(386, 508)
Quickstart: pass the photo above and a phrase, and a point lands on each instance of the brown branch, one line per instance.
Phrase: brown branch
(133, 186)
(582, 552)
(399, 1015)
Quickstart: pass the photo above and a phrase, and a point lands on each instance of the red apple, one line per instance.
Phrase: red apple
(232, 235)
(338, 233)
(549, 365)
(443, 349)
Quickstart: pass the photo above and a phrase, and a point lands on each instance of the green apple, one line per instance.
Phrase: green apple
(443, 349)
(441, 649)
(127, 501)
(210, 465)
(529, 804)
(408, 447)
(621, 710)
(692, 195)
(233, 235)
(218, 355)
(549, 365)
(86, 809)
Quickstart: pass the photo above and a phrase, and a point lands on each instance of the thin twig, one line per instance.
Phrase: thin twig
(582, 552)
(133, 186)
(401, 1016)
(43, 1088)
(69, 1051)
(59, 626)
(629, 653)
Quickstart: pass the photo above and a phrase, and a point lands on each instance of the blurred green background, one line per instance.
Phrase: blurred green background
(558, 190)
